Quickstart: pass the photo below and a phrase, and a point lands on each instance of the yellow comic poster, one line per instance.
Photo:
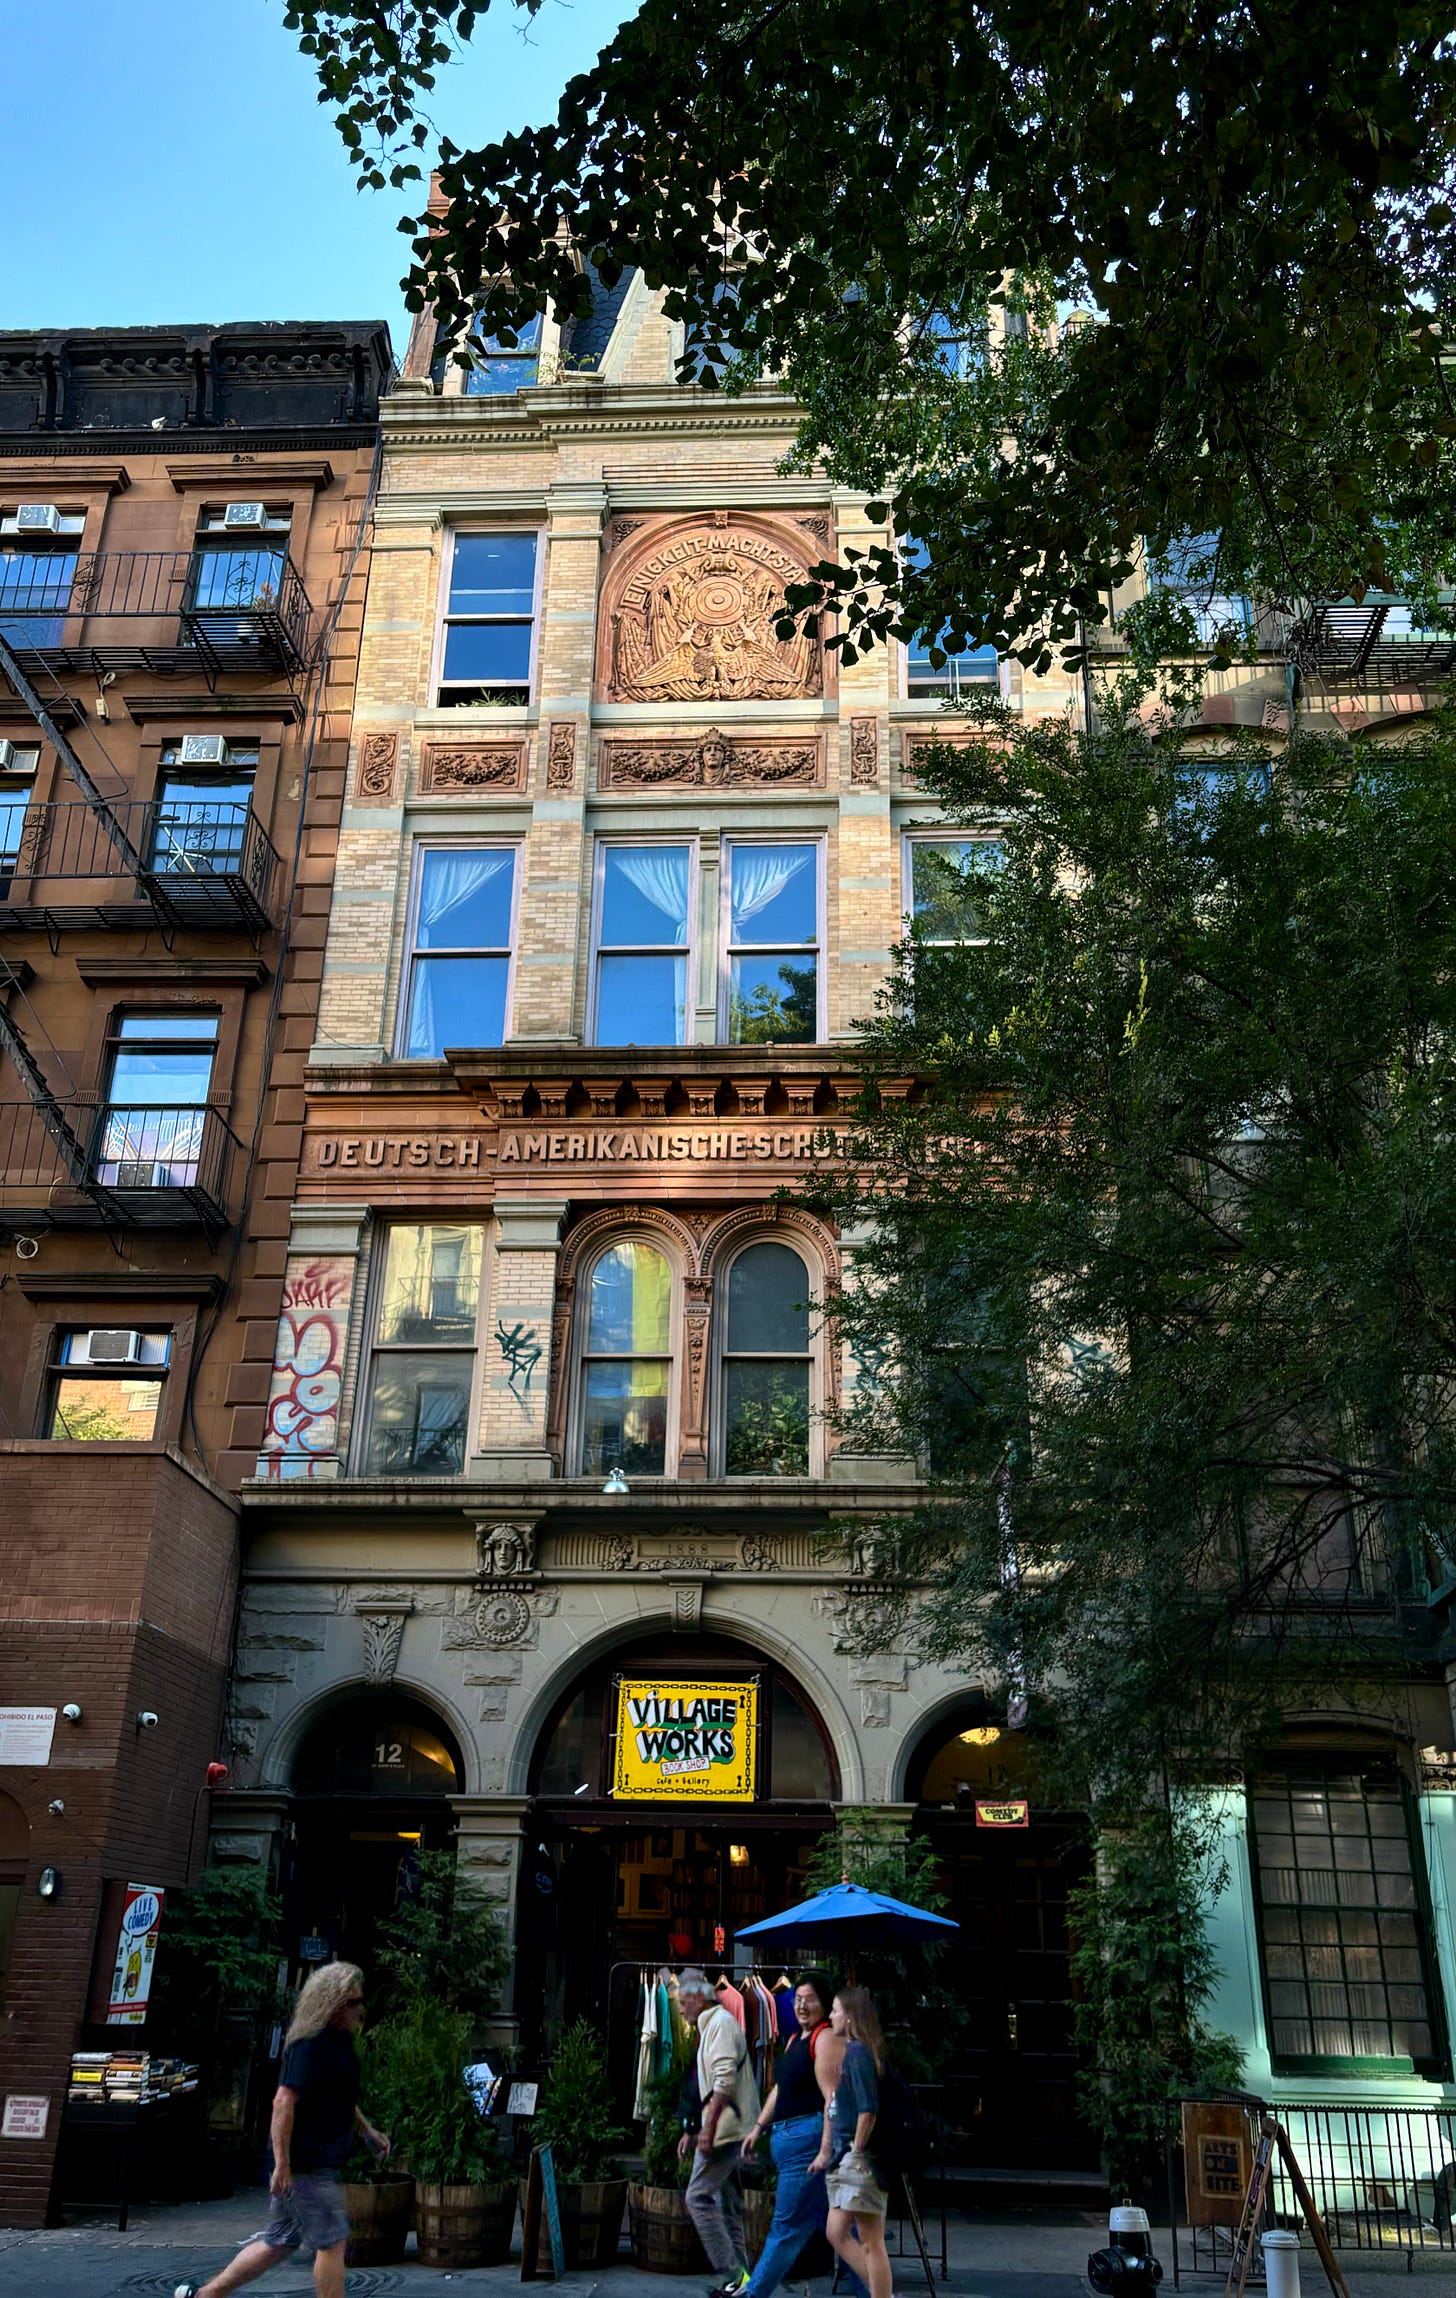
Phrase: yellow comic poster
(685, 1743)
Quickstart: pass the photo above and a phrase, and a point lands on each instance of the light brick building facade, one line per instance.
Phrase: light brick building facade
(618, 870)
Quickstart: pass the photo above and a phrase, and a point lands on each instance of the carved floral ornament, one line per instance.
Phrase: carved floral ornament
(715, 763)
(690, 617)
(480, 766)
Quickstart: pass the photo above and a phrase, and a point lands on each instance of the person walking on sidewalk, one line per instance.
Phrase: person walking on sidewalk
(857, 2198)
(793, 2116)
(315, 2115)
(729, 2095)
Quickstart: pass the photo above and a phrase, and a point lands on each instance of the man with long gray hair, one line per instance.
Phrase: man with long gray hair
(315, 2115)
(729, 2095)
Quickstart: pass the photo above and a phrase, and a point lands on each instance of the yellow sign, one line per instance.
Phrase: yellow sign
(685, 1743)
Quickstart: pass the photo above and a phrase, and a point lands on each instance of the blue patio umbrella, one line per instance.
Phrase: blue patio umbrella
(849, 1916)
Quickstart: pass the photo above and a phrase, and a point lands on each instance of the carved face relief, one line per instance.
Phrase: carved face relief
(695, 623)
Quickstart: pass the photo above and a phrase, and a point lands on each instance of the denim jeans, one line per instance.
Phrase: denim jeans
(800, 2204)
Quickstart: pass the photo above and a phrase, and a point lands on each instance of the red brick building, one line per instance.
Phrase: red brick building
(184, 531)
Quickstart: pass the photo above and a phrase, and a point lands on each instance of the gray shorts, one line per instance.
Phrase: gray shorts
(851, 2185)
(311, 2211)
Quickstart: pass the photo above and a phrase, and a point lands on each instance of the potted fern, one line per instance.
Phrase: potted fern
(664, 2238)
(574, 2118)
(465, 2198)
(379, 2194)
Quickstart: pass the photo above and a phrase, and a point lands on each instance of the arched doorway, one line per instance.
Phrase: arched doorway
(608, 1886)
(1012, 2082)
(372, 1782)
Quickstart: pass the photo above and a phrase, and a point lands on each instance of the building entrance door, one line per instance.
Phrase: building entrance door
(609, 1887)
(1012, 2071)
(372, 1785)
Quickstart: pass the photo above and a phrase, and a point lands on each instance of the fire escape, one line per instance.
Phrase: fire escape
(99, 861)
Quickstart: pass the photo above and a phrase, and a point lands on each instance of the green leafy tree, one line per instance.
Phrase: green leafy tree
(1144, 1971)
(217, 1960)
(444, 1945)
(1159, 1289)
(574, 2111)
(1161, 1274)
(1255, 223)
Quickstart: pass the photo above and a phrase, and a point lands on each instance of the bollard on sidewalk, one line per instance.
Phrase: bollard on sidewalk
(1281, 2264)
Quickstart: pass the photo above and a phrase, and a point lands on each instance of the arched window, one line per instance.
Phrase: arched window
(627, 1362)
(378, 1746)
(766, 1386)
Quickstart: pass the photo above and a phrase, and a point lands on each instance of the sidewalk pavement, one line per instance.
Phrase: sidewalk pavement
(1028, 2254)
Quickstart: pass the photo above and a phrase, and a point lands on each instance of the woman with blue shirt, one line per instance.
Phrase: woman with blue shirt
(857, 2198)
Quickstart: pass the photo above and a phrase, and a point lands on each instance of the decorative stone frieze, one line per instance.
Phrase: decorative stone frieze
(477, 766)
(717, 762)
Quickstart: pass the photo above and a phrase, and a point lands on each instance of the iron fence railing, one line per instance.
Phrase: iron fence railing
(205, 861)
(235, 606)
(1382, 2178)
(142, 1163)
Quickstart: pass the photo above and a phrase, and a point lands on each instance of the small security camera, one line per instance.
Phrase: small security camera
(147, 1720)
(71, 1712)
(55, 1807)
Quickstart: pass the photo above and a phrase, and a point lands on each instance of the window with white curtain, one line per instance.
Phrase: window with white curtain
(422, 1366)
(772, 913)
(458, 968)
(643, 943)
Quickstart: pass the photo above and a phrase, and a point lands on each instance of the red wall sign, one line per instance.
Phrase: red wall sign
(1016, 1813)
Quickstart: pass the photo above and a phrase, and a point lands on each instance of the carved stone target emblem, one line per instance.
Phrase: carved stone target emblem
(502, 1619)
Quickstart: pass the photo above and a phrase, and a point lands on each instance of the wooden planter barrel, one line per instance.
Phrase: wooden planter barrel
(591, 2222)
(379, 2221)
(664, 2238)
(461, 2226)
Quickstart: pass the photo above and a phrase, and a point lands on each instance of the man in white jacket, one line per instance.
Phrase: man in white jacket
(729, 2096)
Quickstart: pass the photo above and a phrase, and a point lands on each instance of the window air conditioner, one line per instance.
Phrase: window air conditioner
(132, 1175)
(115, 1347)
(14, 760)
(204, 750)
(244, 515)
(37, 519)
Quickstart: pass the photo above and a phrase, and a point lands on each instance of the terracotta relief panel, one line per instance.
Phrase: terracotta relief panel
(561, 757)
(689, 616)
(378, 763)
(448, 767)
(715, 763)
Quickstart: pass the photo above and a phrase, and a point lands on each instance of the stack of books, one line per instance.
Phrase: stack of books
(88, 2077)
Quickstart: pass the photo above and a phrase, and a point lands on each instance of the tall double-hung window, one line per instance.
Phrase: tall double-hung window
(458, 968)
(487, 643)
(422, 1366)
(958, 671)
(772, 927)
(644, 897)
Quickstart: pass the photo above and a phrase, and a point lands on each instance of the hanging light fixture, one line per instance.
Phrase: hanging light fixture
(616, 1483)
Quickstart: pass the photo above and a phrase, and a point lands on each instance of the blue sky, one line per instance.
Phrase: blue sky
(168, 160)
